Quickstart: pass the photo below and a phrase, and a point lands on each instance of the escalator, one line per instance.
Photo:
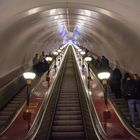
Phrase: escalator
(12, 100)
(65, 116)
(68, 123)
(9, 111)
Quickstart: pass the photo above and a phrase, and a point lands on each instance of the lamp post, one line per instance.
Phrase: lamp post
(79, 50)
(61, 48)
(104, 76)
(59, 51)
(82, 54)
(29, 76)
(55, 55)
(88, 60)
(48, 59)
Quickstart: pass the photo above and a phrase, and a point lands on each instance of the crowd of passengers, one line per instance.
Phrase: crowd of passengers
(122, 85)
(127, 85)
(40, 65)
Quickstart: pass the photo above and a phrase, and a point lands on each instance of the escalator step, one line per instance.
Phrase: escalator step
(6, 113)
(67, 135)
(18, 99)
(67, 122)
(69, 96)
(68, 99)
(19, 96)
(67, 108)
(124, 109)
(4, 117)
(68, 112)
(122, 105)
(9, 109)
(2, 122)
(15, 102)
(12, 105)
(68, 102)
(68, 105)
(68, 117)
(71, 128)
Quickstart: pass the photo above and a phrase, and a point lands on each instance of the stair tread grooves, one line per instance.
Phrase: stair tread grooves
(80, 132)
(77, 111)
(67, 109)
(68, 101)
(5, 113)
(9, 108)
(67, 118)
(68, 97)
(71, 128)
(67, 122)
(68, 134)
(74, 104)
(68, 105)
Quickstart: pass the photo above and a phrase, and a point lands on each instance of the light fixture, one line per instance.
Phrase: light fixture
(88, 59)
(104, 75)
(49, 59)
(59, 50)
(82, 52)
(79, 50)
(29, 76)
(55, 53)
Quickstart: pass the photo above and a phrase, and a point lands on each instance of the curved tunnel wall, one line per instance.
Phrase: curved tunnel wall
(111, 28)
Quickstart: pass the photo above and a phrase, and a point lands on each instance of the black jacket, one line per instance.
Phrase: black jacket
(116, 76)
(131, 89)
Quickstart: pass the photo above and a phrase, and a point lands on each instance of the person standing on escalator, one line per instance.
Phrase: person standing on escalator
(115, 82)
(35, 63)
(133, 95)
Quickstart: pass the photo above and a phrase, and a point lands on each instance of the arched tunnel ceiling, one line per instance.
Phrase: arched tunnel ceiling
(106, 27)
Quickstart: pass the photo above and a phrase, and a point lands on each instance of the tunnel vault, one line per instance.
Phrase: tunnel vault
(34, 27)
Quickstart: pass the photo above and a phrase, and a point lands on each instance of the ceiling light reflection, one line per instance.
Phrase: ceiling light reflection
(33, 11)
(56, 17)
(87, 12)
(52, 11)
(106, 12)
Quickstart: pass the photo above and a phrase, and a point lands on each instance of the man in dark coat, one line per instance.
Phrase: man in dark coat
(104, 63)
(133, 94)
(115, 82)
